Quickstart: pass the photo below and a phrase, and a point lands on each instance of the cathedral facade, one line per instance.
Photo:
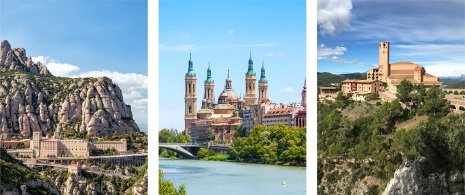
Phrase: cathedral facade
(223, 116)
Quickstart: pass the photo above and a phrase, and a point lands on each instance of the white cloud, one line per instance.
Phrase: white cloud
(140, 102)
(275, 54)
(230, 32)
(56, 68)
(331, 54)
(333, 16)
(132, 94)
(258, 45)
(287, 89)
(182, 47)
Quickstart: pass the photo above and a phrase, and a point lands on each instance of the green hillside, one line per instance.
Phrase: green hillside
(326, 78)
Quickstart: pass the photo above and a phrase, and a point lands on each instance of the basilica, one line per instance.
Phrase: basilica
(222, 117)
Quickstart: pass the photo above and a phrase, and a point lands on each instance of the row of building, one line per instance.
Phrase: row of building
(224, 116)
(383, 80)
(52, 146)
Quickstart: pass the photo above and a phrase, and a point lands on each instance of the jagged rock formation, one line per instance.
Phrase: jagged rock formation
(408, 179)
(31, 99)
(16, 59)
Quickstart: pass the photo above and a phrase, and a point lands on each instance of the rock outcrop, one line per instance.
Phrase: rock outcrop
(408, 179)
(16, 59)
(32, 101)
(141, 186)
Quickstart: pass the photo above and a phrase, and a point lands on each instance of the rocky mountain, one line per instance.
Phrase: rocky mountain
(32, 99)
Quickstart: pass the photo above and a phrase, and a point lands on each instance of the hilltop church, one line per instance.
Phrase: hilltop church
(385, 78)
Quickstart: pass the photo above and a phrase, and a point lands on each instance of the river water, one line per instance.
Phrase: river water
(224, 178)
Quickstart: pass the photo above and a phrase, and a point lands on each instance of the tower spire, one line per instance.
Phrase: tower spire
(190, 70)
(262, 76)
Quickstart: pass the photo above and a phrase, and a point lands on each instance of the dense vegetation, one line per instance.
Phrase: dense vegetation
(210, 155)
(371, 146)
(271, 145)
(172, 136)
(13, 173)
(167, 187)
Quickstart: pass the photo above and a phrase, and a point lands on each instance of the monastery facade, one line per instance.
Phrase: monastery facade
(51, 146)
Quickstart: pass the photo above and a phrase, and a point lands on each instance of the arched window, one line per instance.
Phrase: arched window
(190, 89)
(208, 95)
(190, 109)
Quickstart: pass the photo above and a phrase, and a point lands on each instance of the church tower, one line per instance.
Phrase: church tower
(250, 83)
(263, 87)
(35, 144)
(209, 90)
(190, 99)
(304, 95)
(384, 60)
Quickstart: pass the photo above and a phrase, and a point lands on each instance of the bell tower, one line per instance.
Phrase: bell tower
(190, 98)
(209, 89)
(384, 60)
(263, 87)
(250, 83)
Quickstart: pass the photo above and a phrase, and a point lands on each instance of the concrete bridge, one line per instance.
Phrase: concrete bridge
(188, 150)
(184, 149)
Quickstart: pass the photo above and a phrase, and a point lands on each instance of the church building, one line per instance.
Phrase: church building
(387, 77)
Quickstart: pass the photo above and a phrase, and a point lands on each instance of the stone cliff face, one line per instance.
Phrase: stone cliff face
(33, 100)
(408, 179)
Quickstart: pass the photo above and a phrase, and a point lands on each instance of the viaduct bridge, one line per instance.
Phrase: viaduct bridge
(59, 166)
(457, 105)
(188, 150)
(123, 160)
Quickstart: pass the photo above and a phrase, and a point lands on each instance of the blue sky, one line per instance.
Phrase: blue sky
(429, 33)
(85, 38)
(223, 33)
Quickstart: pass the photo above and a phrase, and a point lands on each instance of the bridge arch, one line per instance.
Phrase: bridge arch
(179, 150)
(462, 108)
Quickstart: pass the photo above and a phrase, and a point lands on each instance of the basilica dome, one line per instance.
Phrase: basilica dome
(228, 95)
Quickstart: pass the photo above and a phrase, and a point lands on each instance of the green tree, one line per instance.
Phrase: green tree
(240, 132)
(404, 93)
(341, 100)
(435, 103)
(167, 187)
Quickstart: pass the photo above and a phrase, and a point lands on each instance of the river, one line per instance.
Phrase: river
(224, 178)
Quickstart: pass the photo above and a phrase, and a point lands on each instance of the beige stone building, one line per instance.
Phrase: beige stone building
(51, 146)
(281, 115)
(387, 76)
(120, 146)
(359, 89)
